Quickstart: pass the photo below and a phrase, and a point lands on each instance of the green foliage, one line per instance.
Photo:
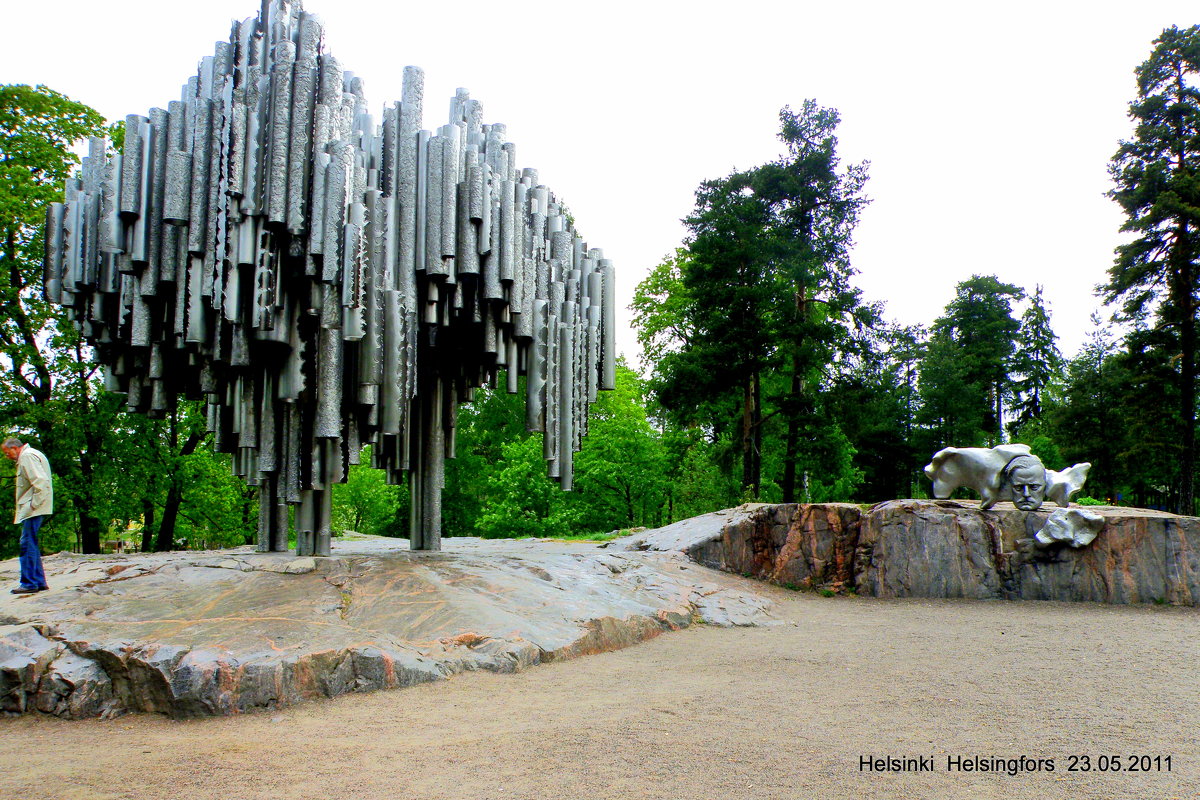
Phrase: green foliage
(696, 483)
(499, 485)
(38, 129)
(742, 326)
(874, 399)
(492, 420)
(1037, 361)
(660, 310)
(366, 503)
(216, 509)
(827, 465)
(1045, 449)
(620, 471)
(1156, 177)
(965, 375)
(1086, 415)
(522, 501)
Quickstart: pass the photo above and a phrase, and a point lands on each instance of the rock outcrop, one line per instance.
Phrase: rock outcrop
(189, 634)
(194, 634)
(945, 548)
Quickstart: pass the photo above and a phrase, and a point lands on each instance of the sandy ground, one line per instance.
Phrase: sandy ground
(779, 712)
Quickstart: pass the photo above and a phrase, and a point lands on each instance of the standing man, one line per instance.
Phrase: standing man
(35, 502)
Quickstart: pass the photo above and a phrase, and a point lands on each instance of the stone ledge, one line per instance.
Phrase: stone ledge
(188, 634)
(944, 548)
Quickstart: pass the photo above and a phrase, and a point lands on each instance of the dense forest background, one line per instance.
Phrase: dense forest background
(765, 375)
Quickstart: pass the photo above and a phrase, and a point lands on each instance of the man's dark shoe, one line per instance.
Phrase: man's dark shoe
(23, 590)
(43, 588)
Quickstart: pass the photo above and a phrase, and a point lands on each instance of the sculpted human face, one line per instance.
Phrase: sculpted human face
(1028, 485)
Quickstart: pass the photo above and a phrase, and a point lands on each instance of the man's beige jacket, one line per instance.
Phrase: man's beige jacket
(35, 487)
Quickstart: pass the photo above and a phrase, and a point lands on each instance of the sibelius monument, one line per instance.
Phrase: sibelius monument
(324, 282)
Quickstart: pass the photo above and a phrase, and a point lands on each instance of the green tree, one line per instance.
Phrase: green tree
(1156, 183)
(620, 469)
(1086, 414)
(742, 327)
(366, 503)
(965, 375)
(697, 434)
(522, 500)
(38, 129)
(489, 422)
(216, 508)
(732, 299)
(873, 400)
(947, 415)
(660, 306)
(1148, 469)
(696, 482)
(1037, 361)
(814, 205)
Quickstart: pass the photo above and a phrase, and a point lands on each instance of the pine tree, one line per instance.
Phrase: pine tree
(814, 205)
(1157, 183)
(965, 373)
(1037, 361)
(746, 322)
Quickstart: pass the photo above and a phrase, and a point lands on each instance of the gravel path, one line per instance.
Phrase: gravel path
(781, 712)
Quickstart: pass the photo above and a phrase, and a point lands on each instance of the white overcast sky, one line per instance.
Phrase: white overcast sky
(988, 126)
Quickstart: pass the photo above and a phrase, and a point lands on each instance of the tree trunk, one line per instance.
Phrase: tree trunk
(1185, 301)
(89, 526)
(1187, 379)
(792, 447)
(166, 529)
(999, 409)
(756, 438)
(147, 525)
(747, 437)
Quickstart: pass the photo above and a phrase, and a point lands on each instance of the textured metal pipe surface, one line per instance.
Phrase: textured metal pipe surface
(324, 283)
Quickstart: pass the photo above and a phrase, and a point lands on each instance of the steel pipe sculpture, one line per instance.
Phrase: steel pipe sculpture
(324, 282)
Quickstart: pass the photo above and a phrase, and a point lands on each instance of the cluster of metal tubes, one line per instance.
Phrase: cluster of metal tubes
(324, 282)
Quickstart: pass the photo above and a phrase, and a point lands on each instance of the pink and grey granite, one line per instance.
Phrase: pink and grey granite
(193, 634)
(945, 548)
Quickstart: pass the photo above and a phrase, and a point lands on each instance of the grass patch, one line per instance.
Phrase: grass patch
(582, 537)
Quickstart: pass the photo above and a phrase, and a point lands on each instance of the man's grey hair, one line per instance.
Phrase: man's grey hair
(12, 441)
(1026, 461)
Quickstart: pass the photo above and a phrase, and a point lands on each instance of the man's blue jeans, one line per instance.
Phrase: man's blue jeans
(32, 576)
